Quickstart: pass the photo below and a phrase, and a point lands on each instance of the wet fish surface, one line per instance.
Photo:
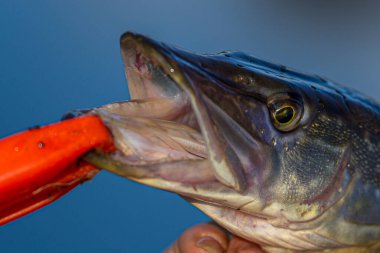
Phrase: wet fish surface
(281, 158)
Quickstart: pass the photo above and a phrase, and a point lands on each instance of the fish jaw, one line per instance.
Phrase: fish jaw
(227, 168)
(164, 92)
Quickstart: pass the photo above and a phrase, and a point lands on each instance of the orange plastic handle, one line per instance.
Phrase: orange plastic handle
(39, 165)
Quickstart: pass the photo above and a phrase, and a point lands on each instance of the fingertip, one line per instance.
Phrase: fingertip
(240, 245)
(202, 238)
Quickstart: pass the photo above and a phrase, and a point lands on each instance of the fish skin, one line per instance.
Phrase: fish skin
(313, 188)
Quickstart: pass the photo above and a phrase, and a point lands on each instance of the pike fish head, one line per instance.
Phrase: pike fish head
(232, 134)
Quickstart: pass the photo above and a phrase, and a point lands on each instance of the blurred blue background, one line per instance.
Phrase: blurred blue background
(60, 55)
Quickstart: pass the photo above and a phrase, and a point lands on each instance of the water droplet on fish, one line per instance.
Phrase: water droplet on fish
(274, 141)
(171, 70)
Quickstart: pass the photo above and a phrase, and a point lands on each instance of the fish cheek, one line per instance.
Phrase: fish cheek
(307, 170)
(312, 169)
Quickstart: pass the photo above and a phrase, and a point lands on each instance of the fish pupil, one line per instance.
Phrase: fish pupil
(285, 114)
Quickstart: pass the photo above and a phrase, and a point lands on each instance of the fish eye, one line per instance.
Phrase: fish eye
(285, 114)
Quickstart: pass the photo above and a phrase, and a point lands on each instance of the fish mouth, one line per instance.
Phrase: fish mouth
(158, 124)
(157, 134)
(164, 135)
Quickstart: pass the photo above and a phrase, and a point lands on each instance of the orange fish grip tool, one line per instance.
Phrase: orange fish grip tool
(40, 165)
